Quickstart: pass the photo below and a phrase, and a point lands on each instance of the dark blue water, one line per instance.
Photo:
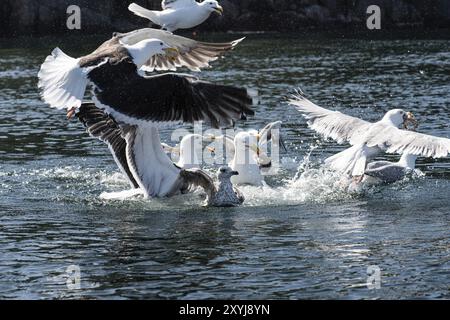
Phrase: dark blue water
(305, 238)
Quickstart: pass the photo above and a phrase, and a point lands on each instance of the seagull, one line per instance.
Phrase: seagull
(63, 79)
(385, 172)
(189, 150)
(138, 152)
(368, 139)
(248, 153)
(141, 104)
(178, 14)
(225, 195)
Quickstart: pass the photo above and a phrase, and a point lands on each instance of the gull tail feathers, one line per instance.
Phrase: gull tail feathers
(345, 161)
(153, 16)
(62, 82)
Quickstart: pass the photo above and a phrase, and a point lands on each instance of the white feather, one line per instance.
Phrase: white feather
(61, 80)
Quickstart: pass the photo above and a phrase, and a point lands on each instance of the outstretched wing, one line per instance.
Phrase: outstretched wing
(390, 139)
(394, 140)
(137, 100)
(193, 178)
(193, 54)
(102, 126)
(330, 124)
(175, 4)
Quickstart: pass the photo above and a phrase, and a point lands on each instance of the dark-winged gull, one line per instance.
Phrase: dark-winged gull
(63, 79)
(178, 14)
(138, 152)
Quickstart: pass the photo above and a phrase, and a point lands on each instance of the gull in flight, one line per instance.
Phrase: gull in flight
(178, 14)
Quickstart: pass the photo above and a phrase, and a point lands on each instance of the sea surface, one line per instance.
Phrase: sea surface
(305, 237)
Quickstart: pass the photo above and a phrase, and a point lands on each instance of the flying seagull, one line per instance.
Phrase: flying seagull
(369, 139)
(138, 153)
(178, 14)
(63, 79)
(225, 195)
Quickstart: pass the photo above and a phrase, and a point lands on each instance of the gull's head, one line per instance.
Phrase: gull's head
(191, 142)
(142, 51)
(401, 119)
(225, 173)
(212, 6)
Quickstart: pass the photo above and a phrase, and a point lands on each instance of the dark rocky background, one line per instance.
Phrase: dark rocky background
(42, 17)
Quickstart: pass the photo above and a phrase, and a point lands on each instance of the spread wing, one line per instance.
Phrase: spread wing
(135, 100)
(100, 125)
(394, 140)
(390, 139)
(193, 54)
(330, 124)
(174, 4)
(193, 178)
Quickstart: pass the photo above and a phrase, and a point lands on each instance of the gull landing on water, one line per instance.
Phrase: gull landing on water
(178, 14)
(368, 139)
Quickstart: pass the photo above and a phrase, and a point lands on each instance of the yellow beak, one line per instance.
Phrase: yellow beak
(219, 10)
(255, 148)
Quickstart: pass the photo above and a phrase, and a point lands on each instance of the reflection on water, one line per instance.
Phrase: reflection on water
(303, 238)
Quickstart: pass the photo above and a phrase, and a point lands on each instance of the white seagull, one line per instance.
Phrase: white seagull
(178, 14)
(368, 139)
(189, 151)
(248, 151)
(140, 104)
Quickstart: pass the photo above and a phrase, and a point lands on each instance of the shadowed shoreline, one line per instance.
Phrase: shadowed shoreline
(37, 18)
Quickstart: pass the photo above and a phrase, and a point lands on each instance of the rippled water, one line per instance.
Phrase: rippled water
(304, 238)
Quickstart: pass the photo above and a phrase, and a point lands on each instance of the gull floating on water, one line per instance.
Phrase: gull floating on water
(368, 139)
(189, 151)
(178, 14)
(390, 172)
(248, 152)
